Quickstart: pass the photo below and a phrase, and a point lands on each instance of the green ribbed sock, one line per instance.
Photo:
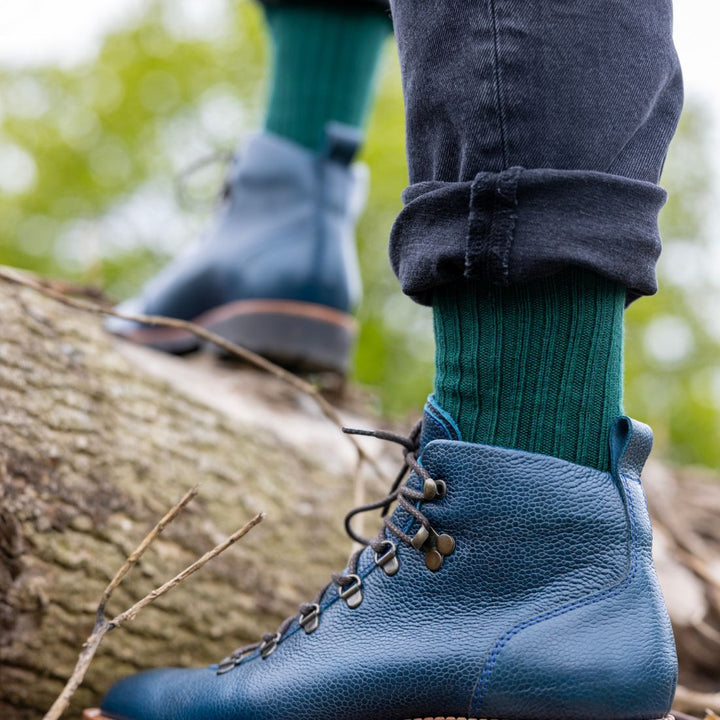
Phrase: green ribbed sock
(535, 366)
(325, 62)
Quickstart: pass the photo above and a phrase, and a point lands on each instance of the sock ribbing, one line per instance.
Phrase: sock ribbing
(325, 62)
(535, 366)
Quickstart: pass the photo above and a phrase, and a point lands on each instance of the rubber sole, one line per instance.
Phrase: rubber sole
(95, 714)
(297, 335)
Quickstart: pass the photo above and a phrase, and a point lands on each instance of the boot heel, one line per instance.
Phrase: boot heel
(95, 714)
(667, 717)
(301, 336)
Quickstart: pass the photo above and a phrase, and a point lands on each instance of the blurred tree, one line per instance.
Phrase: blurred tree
(90, 153)
(89, 157)
(672, 350)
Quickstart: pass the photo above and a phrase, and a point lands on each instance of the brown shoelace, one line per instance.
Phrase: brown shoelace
(349, 583)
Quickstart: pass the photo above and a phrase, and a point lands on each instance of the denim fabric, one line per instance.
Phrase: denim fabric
(536, 134)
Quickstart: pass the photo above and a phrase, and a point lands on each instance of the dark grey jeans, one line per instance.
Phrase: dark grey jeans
(536, 133)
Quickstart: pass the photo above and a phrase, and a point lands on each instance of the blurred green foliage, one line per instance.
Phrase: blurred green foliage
(672, 345)
(89, 157)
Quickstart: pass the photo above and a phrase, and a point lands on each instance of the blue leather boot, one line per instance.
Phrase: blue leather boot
(505, 585)
(278, 271)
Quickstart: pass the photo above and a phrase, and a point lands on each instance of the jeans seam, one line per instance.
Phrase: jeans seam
(498, 92)
(492, 218)
(506, 218)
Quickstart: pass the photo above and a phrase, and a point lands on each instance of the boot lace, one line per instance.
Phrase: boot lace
(436, 547)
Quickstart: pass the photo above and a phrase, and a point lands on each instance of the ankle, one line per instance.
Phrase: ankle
(325, 62)
(536, 366)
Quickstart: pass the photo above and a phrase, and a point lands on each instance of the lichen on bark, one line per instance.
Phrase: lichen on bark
(97, 441)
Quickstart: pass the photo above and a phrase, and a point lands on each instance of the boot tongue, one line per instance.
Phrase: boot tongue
(437, 424)
(269, 159)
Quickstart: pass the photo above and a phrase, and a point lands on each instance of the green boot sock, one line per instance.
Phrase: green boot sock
(325, 62)
(535, 366)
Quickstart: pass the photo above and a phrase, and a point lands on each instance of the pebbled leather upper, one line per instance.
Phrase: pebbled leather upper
(285, 231)
(548, 608)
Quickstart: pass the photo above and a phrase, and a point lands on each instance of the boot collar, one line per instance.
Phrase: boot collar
(437, 424)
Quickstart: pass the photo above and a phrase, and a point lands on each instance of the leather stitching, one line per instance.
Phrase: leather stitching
(440, 425)
(447, 423)
(484, 678)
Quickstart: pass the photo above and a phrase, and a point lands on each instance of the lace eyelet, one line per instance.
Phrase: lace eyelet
(231, 662)
(226, 665)
(310, 620)
(352, 594)
(435, 547)
(388, 561)
(420, 537)
(430, 489)
(268, 647)
(445, 544)
(433, 489)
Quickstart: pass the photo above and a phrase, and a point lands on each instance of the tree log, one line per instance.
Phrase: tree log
(98, 438)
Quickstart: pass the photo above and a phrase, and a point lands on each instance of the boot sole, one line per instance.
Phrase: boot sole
(297, 335)
(95, 714)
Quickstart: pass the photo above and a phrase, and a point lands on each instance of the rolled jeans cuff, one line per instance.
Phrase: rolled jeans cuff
(517, 225)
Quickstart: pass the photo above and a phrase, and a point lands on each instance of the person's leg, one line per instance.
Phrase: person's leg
(278, 272)
(325, 59)
(532, 212)
(535, 366)
(508, 583)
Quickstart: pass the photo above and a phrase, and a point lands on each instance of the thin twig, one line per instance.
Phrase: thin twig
(707, 631)
(91, 292)
(139, 551)
(13, 276)
(699, 567)
(153, 595)
(103, 625)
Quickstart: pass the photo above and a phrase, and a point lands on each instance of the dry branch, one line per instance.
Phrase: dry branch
(13, 276)
(97, 438)
(103, 625)
(687, 700)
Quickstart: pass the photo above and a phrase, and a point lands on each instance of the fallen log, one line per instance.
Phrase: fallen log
(98, 438)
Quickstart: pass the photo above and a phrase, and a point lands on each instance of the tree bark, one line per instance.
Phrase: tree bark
(99, 438)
